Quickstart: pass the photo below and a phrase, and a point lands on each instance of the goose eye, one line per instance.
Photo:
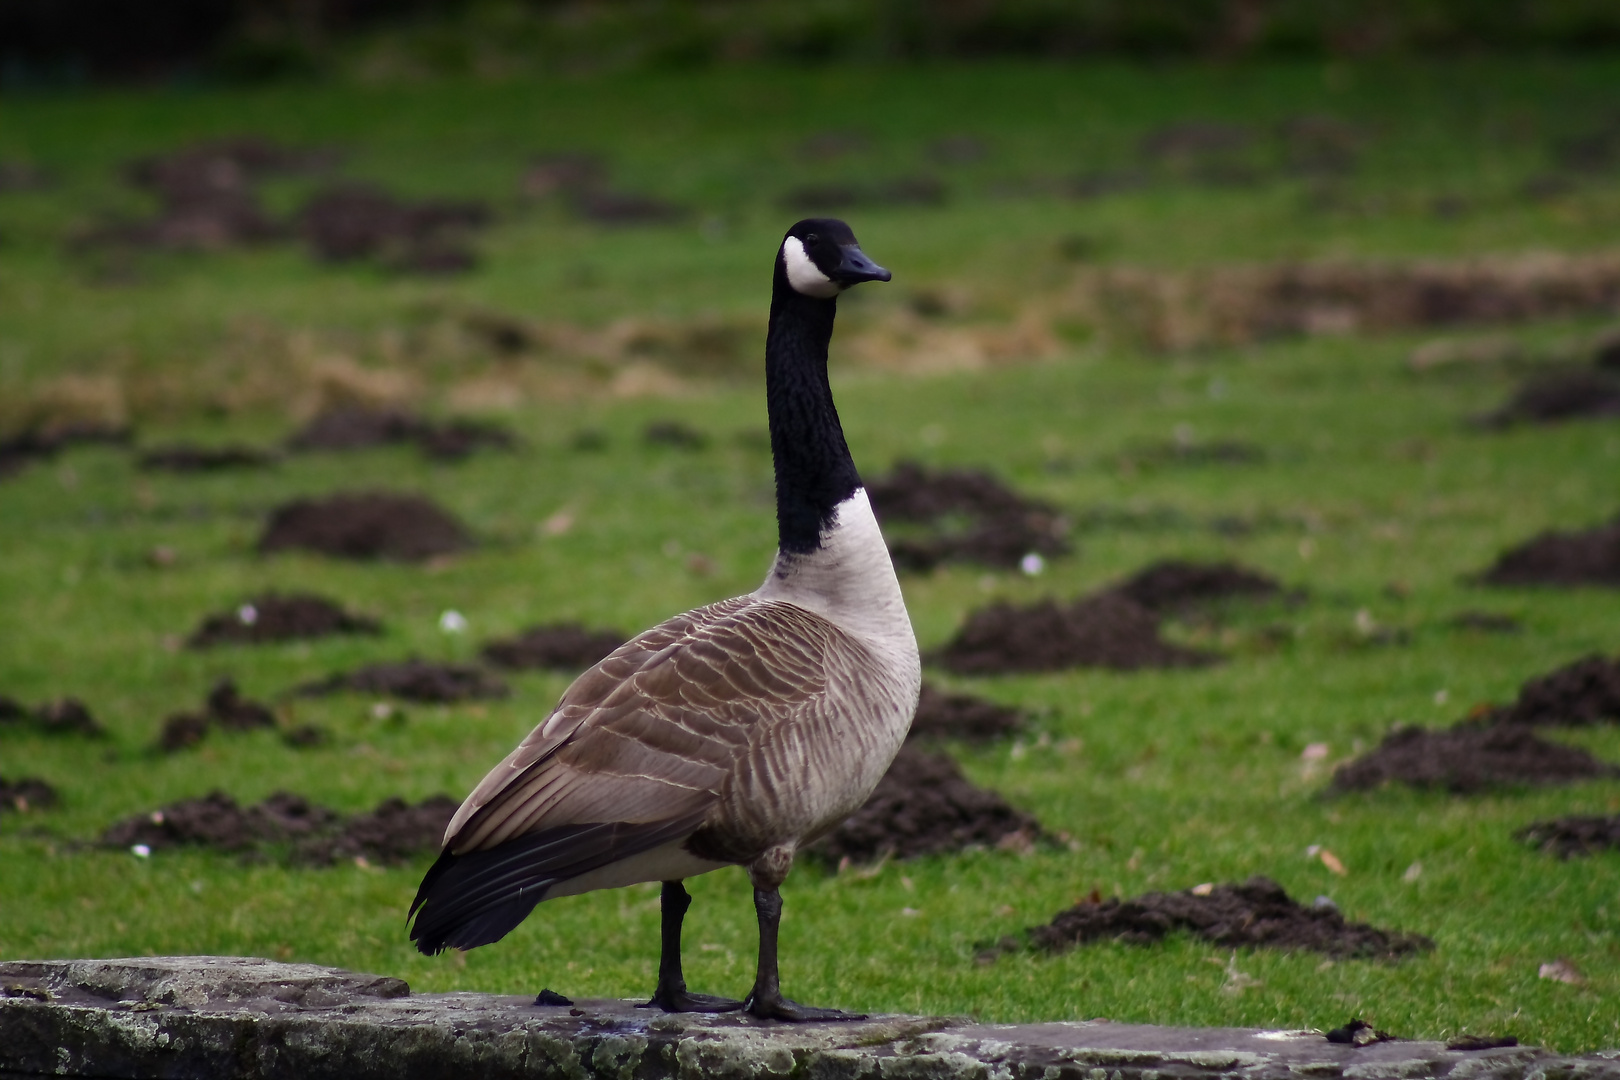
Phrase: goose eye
(812, 238)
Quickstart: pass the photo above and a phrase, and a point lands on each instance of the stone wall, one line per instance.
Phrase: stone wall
(228, 1017)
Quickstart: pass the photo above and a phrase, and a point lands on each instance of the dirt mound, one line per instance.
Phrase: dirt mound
(1554, 397)
(1176, 585)
(352, 222)
(1235, 305)
(311, 834)
(359, 428)
(1583, 557)
(1584, 692)
(558, 646)
(1568, 837)
(188, 458)
(207, 197)
(65, 716)
(1257, 913)
(224, 708)
(914, 492)
(606, 206)
(365, 525)
(674, 433)
(925, 806)
(941, 715)
(413, 680)
(395, 832)
(278, 617)
(216, 821)
(1468, 758)
(26, 793)
(1107, 630)
(972, 517)
(40, 444)
(581, 180)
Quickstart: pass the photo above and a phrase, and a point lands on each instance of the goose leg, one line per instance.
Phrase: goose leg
(672, 995)
(766, 1000)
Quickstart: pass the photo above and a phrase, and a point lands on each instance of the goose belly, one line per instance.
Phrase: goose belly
(670, 862)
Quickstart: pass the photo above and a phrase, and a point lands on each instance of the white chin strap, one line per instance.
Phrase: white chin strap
(803, 274)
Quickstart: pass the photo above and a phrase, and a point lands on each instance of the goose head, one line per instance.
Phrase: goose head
(820, 258)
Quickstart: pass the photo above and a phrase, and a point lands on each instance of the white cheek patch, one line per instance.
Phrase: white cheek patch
(804, 275)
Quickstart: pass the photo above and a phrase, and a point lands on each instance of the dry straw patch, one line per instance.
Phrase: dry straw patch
(1236, 305)
(481, 360)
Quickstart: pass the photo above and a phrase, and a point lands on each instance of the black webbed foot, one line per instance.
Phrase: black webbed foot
(684, 1001)
(780, 1008)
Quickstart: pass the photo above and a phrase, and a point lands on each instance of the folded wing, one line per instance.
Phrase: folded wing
(640, 752)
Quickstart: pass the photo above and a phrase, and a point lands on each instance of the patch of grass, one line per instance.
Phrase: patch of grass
(1370, 479)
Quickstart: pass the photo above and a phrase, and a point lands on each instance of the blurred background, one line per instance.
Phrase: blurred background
(369, 367)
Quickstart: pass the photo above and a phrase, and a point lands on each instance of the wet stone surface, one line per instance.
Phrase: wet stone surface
(182, 1017)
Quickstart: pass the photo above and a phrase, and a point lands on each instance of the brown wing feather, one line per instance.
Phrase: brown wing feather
(658, 729)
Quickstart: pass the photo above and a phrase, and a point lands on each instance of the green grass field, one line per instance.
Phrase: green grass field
(1374, 495)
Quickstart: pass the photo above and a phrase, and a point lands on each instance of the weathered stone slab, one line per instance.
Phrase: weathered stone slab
(175, 1018)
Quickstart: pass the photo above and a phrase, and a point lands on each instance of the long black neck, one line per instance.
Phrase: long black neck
(814, 472)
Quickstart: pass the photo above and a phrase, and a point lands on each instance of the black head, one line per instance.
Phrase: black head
(820, 258)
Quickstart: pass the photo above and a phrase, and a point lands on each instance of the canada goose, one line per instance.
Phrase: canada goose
(732, 734)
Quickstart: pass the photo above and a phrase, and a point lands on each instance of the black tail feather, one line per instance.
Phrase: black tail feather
(478, 897)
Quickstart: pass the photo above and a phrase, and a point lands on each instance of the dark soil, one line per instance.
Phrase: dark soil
(1468, 758)
(1567, 837)
(941, 715)
(26, 447)
(366, 525)
(65, 716)
(925, 806)
(1173, 585)
(1257, 913)
(216, 821)
(225, 708)
(306, 736)
(1107, 630)
(277, 617)
(1606, 353)
(413, 680)
(606, 206)
(559, 646)
(581, 179)
(972, 516)
(913, 492)
(26, 793)
(207, 197)
(358, 428)
(1586, 557)
(674, 433)
(353, 222)
(1555, 397)
(189, 458)
(1584, 692)
(394, 832)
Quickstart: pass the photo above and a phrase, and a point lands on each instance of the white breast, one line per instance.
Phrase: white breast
(850, 581)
